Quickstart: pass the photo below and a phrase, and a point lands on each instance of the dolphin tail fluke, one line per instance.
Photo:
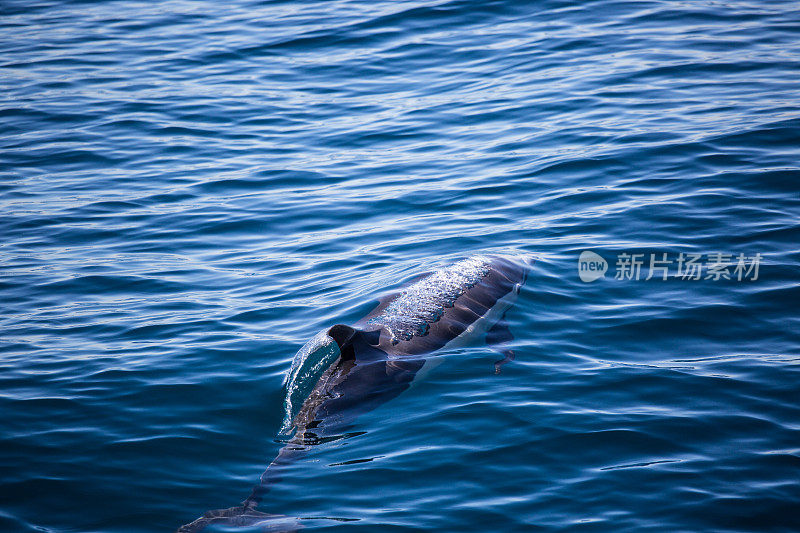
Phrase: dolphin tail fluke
(245, 515)
(242, 516)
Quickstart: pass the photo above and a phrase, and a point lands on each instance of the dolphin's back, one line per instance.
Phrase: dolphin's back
(437, 309)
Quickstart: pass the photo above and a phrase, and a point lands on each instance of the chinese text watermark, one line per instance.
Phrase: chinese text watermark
(663, 265)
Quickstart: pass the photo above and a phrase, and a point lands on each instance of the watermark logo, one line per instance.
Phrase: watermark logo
(591, 266)
(684, 266)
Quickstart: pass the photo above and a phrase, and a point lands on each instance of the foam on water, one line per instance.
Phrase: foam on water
(424, 302)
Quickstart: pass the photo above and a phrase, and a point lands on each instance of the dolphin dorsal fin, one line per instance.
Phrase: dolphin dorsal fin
(355, 343)
(341, 334)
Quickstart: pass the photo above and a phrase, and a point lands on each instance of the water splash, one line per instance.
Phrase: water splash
(308, 365)
(423, 303)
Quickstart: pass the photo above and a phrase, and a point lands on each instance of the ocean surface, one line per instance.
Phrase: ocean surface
(189, 191)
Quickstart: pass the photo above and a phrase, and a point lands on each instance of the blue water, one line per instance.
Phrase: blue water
(192, 190)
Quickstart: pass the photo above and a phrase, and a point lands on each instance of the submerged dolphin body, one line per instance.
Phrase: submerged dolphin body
(348, 370)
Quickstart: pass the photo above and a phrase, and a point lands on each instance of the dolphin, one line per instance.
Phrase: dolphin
(345, 371)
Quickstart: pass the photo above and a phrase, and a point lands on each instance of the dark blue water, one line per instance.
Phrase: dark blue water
(191, 190)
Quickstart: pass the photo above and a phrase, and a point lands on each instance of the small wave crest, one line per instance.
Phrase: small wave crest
(308, 365)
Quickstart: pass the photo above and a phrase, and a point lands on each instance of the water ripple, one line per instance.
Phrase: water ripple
(190, 191)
